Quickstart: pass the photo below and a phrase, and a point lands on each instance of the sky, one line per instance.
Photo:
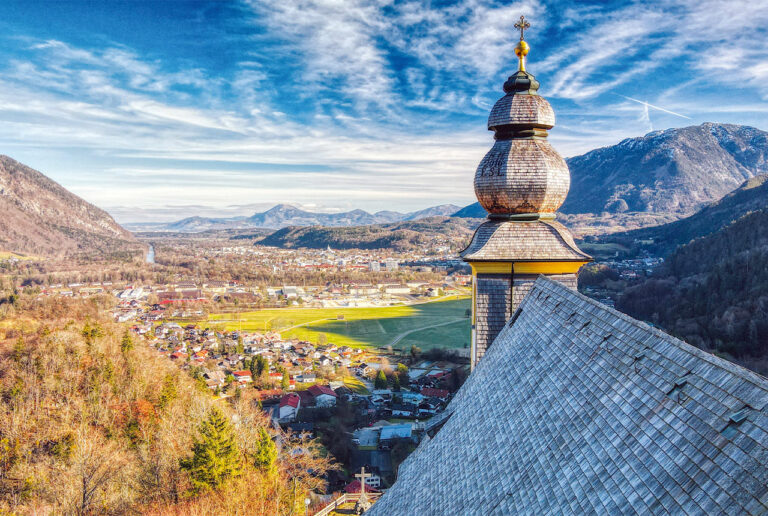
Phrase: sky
(160, 110)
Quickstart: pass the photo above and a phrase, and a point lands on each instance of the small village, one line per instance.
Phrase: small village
(370, 407)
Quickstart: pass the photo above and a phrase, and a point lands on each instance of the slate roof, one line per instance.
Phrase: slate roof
(579, 409)
(518, 241)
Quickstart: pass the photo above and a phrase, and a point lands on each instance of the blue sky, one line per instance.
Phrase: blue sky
(164, 109)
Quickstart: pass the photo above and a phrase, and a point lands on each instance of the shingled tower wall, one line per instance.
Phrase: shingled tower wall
(521, 182)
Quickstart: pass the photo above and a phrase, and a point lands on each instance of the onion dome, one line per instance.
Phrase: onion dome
(522, 176)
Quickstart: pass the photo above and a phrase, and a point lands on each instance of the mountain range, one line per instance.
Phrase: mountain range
(667, 173)
(285, 215)
(40, 217)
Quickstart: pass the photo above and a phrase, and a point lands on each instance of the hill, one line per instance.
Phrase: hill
(285, 215)
(38, 216)
(664, 173)
(713, 292)
(402, 236)
(662, 240)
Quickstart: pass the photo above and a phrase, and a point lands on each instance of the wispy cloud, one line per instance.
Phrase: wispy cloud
(358, 103)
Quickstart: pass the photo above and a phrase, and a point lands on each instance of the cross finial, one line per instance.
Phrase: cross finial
(362, 476)
(522, 25)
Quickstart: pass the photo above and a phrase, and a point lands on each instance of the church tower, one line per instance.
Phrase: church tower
(521, 183)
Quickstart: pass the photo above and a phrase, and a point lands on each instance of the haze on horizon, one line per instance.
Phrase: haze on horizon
(160, 110)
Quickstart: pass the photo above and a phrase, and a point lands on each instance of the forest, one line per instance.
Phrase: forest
(713, 292)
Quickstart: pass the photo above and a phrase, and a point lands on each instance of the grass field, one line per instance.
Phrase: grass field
(437, 324)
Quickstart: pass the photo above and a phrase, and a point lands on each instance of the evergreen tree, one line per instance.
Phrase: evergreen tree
(286, 381)
(265, 456)
(215, 455)
(395, 383)
(381, 380)
(126, 344)
(19, 349)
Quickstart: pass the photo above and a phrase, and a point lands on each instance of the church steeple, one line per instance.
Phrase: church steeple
(521, 182)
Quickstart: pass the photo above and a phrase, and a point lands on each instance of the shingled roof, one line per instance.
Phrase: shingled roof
(538, 240)
(579, 409)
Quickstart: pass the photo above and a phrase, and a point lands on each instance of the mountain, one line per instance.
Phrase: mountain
(473, 211)
(40, 217)
(402, 236)
(284, 215)
(713, 292)
(672, 171)
(661, 240)
(662, 175)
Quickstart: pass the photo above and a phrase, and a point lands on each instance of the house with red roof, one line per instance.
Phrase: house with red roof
(323, 395)
(371, 484)
(243, 376)
(430, 392)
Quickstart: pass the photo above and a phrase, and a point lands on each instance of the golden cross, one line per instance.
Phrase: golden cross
(522, 25)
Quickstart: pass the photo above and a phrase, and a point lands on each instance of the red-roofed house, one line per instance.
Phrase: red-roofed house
(435, 393)
(289, 407)
(324, 395)
(371, 483)
(243, 376)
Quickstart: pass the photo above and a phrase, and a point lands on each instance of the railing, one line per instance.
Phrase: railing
(345, 498)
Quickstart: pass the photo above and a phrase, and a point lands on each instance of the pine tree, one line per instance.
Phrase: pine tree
(381, 380)
(215, 455)
(126, 344)
(265, 456)
(286, 381)
(395, 383)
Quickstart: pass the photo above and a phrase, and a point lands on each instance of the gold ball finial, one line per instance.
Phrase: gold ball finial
(522, 48)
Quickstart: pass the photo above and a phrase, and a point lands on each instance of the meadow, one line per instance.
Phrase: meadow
(438, 324)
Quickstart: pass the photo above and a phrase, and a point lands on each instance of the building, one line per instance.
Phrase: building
(521, 182)
(576, 408)
(289, 407)
(579, 409)
(323, 395)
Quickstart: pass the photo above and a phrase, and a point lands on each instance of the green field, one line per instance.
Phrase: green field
(440, 324)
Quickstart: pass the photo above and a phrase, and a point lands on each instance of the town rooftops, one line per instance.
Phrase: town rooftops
(579, 409)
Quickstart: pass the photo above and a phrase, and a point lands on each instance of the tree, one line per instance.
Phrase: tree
(402, 372)
(215, 455)
(286, 382)
(381, 380)
(395, 383)
(415, 352)
(322, 339)
(126, 344)
(19, 349)
(265, 455)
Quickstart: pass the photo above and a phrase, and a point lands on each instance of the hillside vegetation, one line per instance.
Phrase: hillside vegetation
(401, 236)
(93, 422)
(713, 292)
(752, 195)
